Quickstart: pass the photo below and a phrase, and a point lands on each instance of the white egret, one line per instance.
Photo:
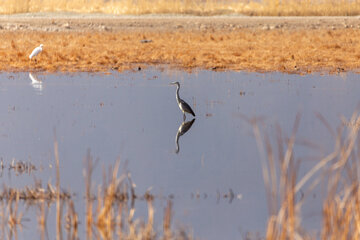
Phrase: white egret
(184, 107)
(36, 51)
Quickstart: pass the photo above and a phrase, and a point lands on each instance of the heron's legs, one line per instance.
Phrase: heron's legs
(184, 117)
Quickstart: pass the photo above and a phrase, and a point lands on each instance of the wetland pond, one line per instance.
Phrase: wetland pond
(213, 176)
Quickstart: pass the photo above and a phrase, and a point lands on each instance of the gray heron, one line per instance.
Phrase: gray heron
(184, 107)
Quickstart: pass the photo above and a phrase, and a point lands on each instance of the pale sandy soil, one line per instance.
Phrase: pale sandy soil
(98, 42)
(100, 22)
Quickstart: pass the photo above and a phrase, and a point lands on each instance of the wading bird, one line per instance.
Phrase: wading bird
(184, 107)
(36, 51)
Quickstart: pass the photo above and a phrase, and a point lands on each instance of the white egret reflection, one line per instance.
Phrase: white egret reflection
(183, 128)
(36, 83)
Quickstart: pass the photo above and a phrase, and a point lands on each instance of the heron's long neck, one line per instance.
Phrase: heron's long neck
(177, 94)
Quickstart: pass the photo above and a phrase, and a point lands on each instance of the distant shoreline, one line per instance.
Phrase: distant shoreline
(45, 22)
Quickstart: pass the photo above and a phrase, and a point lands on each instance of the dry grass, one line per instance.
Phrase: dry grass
(72, 221)
(197, 7)
(15, 217)
(300, 51)
(33, 193)
(339, 170)
(112, 218)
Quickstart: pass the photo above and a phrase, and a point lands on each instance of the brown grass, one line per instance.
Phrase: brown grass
(72, 221)
(112, 218)
(197, 7)
(15, 217)
(299, 51)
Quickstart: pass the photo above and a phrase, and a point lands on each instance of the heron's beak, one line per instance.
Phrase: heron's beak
(172, 83)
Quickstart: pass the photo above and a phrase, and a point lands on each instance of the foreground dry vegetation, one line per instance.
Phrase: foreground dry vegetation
(110, 210)
(292, 51)
(337, 173)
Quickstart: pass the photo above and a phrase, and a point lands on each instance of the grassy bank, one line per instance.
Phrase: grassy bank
(301, 51)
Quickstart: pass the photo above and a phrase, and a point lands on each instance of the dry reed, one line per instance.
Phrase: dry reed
(42, 219)
(58, 203)
(195, 7)
(112, 218)
(33, 193)
(341, 215)
(15, 217)
(72, 221)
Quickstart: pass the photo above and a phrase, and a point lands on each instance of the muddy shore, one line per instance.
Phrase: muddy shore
(75, 42)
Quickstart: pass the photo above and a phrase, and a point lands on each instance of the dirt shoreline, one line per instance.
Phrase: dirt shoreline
(287, 44)
(101, 22)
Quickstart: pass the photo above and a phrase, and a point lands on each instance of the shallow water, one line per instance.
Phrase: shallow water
(134, 117)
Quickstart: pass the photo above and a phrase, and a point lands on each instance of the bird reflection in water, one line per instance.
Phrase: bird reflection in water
(36, 83)
(183, 128)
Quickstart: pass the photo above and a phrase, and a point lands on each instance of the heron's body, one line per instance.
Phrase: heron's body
(184, 107)
(36, 51)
